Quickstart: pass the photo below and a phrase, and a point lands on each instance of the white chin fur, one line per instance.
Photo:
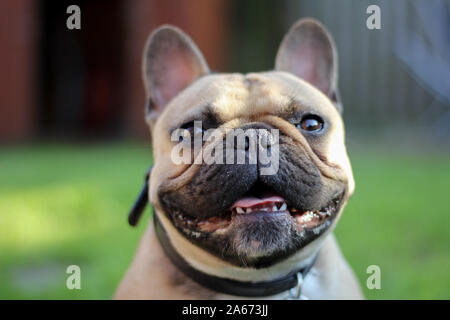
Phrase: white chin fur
(207, 263)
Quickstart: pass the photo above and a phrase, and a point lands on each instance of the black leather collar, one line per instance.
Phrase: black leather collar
(227, 286)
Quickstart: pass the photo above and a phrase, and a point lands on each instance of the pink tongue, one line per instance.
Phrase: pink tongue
(248, 202)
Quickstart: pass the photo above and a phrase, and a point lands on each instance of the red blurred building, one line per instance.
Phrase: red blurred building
(57, 82)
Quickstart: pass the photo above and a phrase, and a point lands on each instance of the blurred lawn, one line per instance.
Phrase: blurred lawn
(63, 205)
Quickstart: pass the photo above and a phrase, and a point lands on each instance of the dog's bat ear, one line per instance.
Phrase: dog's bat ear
(309, 52)
(171, 62)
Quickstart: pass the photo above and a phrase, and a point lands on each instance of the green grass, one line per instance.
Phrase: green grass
(63, 205)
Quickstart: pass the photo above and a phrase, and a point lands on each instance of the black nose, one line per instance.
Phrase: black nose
(262, 134)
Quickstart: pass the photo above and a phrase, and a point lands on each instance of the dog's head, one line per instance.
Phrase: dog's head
(231, 218)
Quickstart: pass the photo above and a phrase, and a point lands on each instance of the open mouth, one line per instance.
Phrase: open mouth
(260, 201)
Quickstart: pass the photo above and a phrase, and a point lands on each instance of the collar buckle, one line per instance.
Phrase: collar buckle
(295, 293)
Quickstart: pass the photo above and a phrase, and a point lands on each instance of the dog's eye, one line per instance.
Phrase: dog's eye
(311, 123)
(190, 131)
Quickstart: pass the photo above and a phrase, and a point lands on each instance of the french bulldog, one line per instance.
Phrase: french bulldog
(225, 230)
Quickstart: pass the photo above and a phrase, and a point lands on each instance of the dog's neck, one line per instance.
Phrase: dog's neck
(290, 284)
(153, 276)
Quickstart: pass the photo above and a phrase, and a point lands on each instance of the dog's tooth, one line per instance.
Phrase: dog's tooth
(240, 210)
(264, 209)
(307, 217)
(249, 210)
(274, 208)
(283, 207)
(321, 214)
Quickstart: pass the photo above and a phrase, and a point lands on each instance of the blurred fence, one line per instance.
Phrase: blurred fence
(395, 77)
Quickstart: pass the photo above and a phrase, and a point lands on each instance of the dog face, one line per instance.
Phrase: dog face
(225, 218)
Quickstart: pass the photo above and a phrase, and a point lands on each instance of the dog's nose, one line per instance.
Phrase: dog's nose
(262, 132)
